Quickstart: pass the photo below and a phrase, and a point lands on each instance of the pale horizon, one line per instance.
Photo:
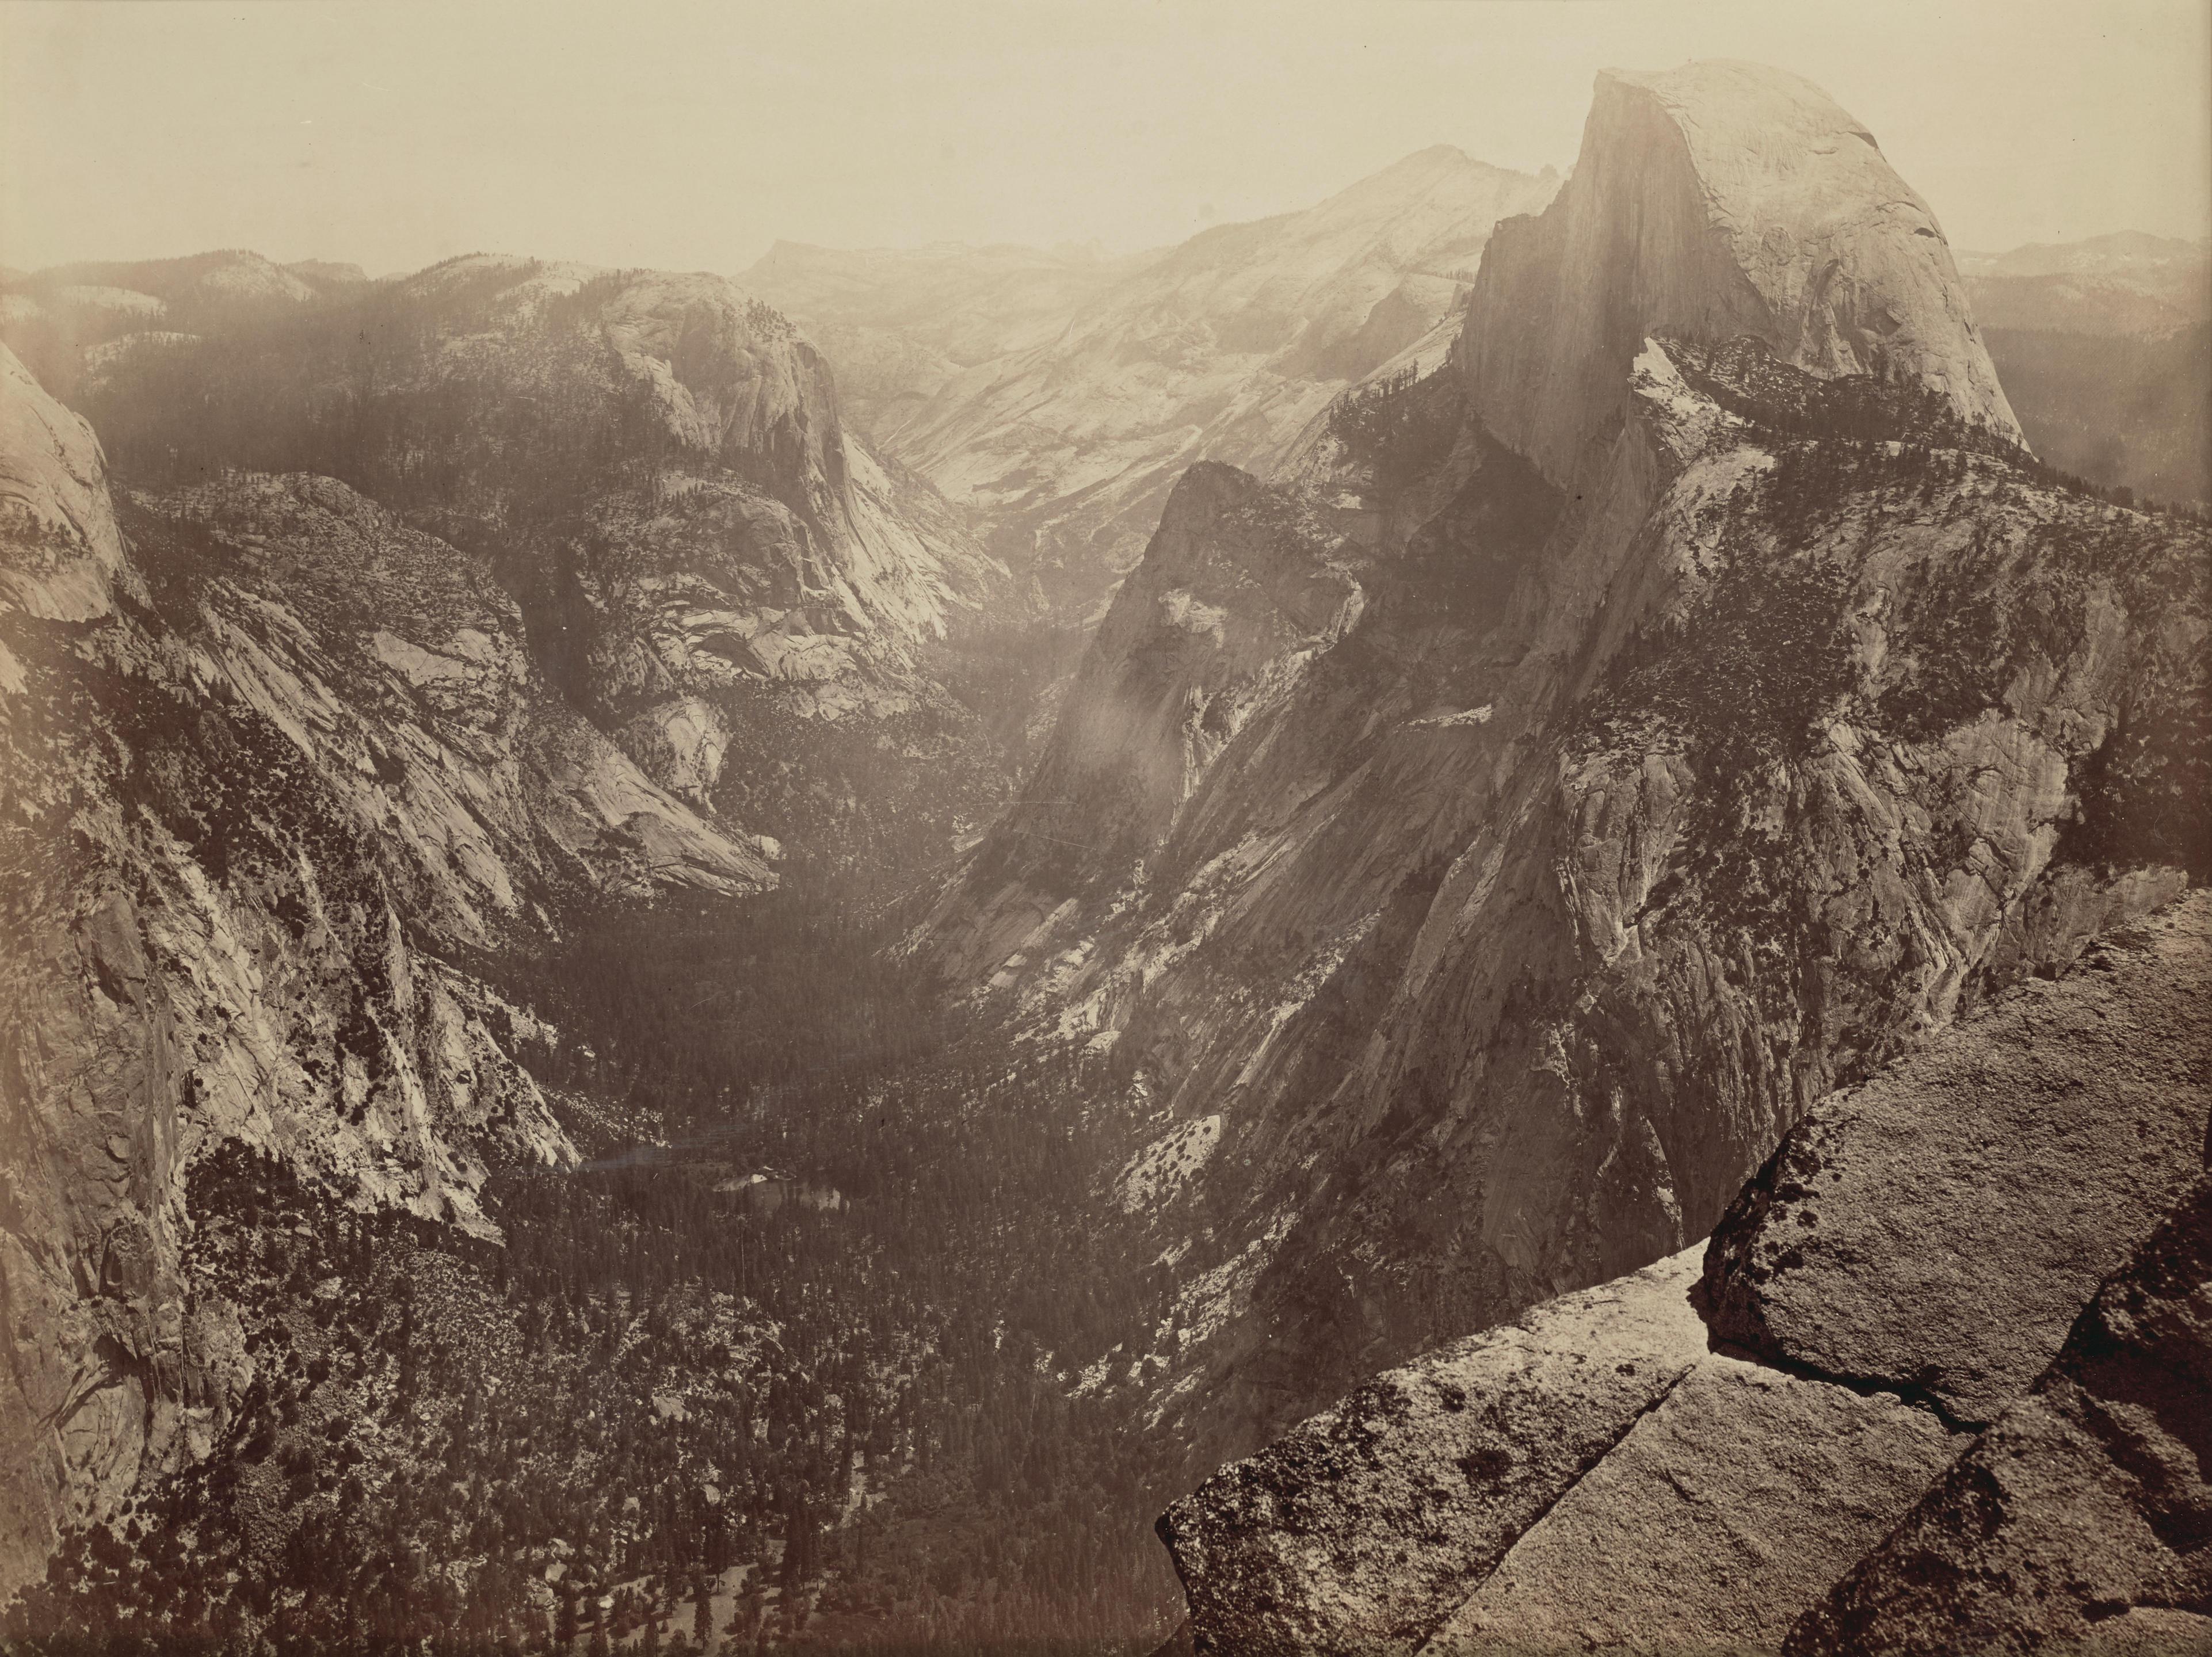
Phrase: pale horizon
(393, 136)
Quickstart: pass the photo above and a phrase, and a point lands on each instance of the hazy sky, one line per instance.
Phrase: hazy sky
(693, 136)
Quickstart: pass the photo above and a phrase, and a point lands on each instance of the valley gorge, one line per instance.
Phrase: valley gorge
(1489, 896)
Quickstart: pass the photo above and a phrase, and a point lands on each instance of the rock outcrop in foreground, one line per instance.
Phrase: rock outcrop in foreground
(1893, 1411)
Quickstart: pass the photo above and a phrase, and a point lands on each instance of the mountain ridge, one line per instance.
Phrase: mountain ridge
(656, 464)
(312, 782)
(1225, 346)
(1484, 945)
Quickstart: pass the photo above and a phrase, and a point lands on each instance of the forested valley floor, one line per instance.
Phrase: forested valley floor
(785, 1362)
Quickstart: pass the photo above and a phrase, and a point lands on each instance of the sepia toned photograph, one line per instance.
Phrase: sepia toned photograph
(1140, 829)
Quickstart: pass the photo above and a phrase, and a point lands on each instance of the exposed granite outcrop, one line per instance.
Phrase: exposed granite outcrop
(64, 551)
(276, 775)
(292, 759)
(1749, 1498)
(1950, 1255)
(1746, 1493)
(1240, 594)
(1447, 1461)
(2083, 1520)
(1716, 201)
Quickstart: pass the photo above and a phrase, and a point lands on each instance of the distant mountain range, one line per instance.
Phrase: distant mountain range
(2105, 348)
(2124, 283)
(1060, 399)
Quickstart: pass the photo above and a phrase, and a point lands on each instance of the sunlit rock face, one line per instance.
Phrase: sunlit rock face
(64, 551)
(1716, 201)
(653, 462)
(1713, 728)
(1242, 591)
(275, 770)
(1938, 1383)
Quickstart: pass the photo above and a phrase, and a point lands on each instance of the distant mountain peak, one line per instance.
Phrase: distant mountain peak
(1419, 172)
(1720, 200)
(1437, 155)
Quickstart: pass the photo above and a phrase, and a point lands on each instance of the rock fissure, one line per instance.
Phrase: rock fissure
(1918, 1398)
(1424, 1635)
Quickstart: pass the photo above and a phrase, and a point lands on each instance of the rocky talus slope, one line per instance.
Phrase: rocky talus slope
(1475, 855)
(281, 786)
(1940, 1382)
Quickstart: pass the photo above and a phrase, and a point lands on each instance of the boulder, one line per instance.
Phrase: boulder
(1357, 1530)
(1744, 1495)
(2083, 1520)
(1948, 1251)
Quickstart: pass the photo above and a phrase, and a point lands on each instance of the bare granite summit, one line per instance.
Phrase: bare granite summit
(1715, 201)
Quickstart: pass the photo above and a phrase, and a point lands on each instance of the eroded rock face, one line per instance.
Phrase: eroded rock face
(2083, 1520)
(279, 756)
(1702, 1496)
(1888, 1246)
(63, 549)
(1716, 201)
(272, 765)
(1446, 1462)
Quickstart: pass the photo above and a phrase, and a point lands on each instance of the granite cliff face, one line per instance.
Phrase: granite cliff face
(282, 786)
(710, 565)
(1716, 201)
(1673, 757)
(1239, 592)
(1911, 1418)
